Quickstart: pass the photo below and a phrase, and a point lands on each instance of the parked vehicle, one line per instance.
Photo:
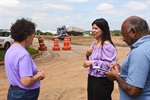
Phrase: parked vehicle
(61, 33)
(5, 39)
(74, 31)
(64, 31)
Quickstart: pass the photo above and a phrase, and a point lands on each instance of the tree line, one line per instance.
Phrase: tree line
(113, 32)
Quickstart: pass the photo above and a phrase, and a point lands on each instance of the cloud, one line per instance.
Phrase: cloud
(9, 3)
(148, 2)
(66, 0)
(49, 14)
(122, 8)
(136, 5)
(105, 8)
(39, 16)
(59, 7)
(75, 0)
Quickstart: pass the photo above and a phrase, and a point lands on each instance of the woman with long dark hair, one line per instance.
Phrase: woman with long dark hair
(99, 56)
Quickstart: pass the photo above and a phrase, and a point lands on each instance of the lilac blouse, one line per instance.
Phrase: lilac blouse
(101, 58)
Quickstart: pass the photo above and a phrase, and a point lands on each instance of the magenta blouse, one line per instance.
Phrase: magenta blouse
(101, 58)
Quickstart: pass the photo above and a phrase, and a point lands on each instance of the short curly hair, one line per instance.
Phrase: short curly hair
(21, 29)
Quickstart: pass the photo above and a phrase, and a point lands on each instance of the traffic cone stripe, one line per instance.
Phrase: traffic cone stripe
(41, 44)
(66, 43)
(56, 45)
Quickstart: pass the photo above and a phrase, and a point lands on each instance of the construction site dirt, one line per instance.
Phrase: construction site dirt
(66, 79)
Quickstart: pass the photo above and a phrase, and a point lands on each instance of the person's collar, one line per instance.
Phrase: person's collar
(140, 41)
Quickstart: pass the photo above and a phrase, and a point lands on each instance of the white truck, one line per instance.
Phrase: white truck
(64, 31)
(75, 31)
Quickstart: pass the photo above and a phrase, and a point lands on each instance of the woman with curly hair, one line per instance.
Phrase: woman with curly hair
(22, 73)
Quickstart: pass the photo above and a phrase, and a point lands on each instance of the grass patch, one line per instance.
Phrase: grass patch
(32, 51)
(2, 54)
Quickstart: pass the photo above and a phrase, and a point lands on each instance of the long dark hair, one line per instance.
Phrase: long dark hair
(103, 25)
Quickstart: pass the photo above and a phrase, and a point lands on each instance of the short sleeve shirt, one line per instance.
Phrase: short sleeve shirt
(136, 69)
(18, 64)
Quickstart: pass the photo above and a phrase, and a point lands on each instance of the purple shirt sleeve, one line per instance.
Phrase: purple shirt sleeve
(26, 66)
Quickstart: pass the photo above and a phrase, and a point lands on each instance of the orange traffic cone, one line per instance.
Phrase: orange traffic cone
(41, 44)
(56, 45)
(66, 43)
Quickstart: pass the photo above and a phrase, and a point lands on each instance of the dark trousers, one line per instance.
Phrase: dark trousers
(99, 88)
(15, 93)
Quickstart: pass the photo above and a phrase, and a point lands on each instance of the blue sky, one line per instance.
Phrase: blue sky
(49, 14)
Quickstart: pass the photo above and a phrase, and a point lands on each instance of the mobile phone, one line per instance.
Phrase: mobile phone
(101, 69)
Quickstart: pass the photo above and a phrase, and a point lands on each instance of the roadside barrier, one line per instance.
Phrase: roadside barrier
(56, 45)
(66, 43)
(42, 46)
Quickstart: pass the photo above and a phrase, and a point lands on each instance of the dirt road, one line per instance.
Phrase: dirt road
(66, 79)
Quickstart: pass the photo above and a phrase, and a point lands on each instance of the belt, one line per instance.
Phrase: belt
(21, 88)
(17, 87)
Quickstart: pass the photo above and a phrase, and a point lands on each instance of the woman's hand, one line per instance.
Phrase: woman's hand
(41, 74)
(89, 51)
(30, 80)
(87, 63)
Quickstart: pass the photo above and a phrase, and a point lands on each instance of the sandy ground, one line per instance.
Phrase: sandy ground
(66, 79)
